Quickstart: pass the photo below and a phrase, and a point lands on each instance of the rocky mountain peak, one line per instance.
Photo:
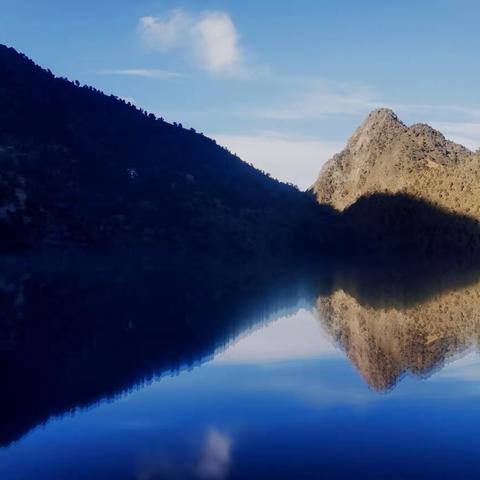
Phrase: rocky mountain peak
(380, 124)
(382, 116)
(381, 119)
(386, 156)
(425, 129)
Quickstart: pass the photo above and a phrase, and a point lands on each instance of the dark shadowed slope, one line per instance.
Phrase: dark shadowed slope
(80, 167)
(402, 225)
(86, 328)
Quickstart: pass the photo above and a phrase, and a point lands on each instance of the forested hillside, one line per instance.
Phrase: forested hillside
(79, 167)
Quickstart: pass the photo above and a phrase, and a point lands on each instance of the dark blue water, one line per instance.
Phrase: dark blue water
(331, 388)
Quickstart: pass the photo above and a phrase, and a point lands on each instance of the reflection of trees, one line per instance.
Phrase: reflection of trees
(72, 334)
(75, 332)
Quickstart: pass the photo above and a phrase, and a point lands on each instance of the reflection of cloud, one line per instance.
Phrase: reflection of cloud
(215, 460)
(292, 337)
(205, 456)
(465, 369)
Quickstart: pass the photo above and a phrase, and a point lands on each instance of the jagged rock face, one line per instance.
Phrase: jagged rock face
(386, 156)
(386, 343)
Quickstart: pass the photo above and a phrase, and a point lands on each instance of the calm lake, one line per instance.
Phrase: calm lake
(348, 375)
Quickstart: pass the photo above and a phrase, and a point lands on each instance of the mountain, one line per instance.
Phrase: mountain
(81, 168)
(384, 156)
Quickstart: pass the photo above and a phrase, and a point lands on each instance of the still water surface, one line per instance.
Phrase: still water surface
(337, 386)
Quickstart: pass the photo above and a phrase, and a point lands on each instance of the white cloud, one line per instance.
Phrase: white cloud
(210, 39)
(465, 133)
(287, 158)
(316, 101)
(141, 72)
(449, 109)
(165, 34)
(218, 46)
(312, 98)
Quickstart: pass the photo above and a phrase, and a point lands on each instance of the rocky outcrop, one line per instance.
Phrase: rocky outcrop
(386, 156)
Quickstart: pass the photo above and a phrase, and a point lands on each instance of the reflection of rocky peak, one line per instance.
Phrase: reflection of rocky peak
(386, 156)
(385, 343)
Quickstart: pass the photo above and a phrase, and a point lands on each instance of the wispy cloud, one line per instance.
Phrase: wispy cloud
(316, 100)
(290, 158)
(465, 133)
(141, 72)
(209, 39)
(443, 109)
(311, 98)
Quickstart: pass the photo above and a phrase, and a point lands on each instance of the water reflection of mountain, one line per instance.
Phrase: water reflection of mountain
(389, 326)
(75, 332)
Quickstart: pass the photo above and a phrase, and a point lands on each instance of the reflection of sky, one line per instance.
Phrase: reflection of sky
(466, 368)
(267, 408)
(296, 336)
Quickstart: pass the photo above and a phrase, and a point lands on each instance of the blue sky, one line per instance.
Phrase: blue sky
(281, 83)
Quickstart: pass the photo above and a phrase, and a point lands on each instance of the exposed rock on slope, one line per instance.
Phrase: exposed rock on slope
(386, 156)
